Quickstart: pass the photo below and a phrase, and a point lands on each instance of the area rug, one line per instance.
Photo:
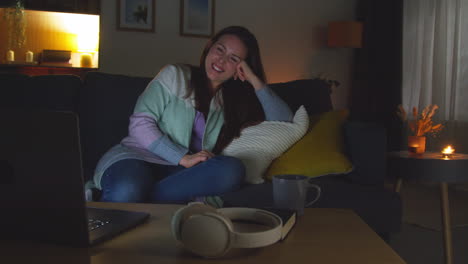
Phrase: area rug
(421, 205)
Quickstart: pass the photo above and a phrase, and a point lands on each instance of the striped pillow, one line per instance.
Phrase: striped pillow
(259, 145)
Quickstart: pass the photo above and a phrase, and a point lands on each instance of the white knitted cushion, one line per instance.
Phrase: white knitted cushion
(259, 145)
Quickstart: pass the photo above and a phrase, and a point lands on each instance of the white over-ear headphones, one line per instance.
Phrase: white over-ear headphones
(209, 232)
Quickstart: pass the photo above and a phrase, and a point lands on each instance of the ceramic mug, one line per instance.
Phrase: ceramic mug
(290, 192)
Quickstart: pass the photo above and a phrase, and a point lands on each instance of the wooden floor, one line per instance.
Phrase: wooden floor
(420, 240)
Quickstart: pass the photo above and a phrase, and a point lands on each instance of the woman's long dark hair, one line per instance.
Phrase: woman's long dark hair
(240, 103)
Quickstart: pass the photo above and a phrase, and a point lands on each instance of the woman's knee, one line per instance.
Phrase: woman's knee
(126, 181)
(125, 193)
(233, 172)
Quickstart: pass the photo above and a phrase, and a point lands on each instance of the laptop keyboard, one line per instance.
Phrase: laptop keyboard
(94, 224)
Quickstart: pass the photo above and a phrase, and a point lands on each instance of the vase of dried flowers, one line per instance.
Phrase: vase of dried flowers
(420, 125)
(417, 144)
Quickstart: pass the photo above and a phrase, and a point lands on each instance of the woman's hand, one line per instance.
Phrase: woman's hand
(191, 160)
(245, 73)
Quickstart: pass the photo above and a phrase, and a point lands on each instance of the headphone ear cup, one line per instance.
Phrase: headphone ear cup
(208, 234)
(181, 215)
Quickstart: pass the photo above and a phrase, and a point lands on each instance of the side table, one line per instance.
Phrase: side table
(432, 167)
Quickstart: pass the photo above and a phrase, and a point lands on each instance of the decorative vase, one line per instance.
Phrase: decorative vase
(416, 144)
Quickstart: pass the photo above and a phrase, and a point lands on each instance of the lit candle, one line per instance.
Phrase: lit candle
(447, 152)
(29, 56)
(86, 60)
(10, 55)
(413, 148)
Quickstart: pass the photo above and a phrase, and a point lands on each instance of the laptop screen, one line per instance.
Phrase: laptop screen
(41, 187)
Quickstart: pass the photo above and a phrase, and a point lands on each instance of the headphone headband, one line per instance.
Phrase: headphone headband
(254, 239)
(209, 232)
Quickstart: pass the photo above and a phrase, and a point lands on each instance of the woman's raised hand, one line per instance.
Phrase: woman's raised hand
(191, 160)
(245, 73)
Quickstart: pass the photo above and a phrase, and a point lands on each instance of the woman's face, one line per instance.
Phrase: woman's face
(223, 57)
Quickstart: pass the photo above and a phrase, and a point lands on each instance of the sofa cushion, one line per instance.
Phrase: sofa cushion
(106, 103)
(258, 145)
(53, 92)
(320, 152)
(313, 94)
(366, 145)
(12, 90)
(44, 92)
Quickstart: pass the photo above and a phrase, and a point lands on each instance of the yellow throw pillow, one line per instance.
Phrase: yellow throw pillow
(319, 152)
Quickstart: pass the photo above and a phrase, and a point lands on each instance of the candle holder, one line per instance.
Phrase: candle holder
(416, 145)
(86, 60)
(447, 152)
(447, 155)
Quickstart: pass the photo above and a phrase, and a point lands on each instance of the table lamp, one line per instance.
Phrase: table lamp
(345, 34)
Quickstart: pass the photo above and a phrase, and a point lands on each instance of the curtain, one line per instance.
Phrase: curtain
(435, 56)
(376, 85)
(435, 62)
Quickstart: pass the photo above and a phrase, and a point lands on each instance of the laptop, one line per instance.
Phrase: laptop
(41, 183)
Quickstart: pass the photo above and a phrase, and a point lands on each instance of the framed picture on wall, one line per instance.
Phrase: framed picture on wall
(136, 15)
(197, 18)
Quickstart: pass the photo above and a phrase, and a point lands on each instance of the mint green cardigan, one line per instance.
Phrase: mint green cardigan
(165, 100)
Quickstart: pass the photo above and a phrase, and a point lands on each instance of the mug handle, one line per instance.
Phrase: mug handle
(319, 190)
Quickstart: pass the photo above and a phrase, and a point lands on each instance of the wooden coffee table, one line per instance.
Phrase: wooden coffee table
(320, 236)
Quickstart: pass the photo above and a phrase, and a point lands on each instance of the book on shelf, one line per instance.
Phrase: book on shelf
(288, 217)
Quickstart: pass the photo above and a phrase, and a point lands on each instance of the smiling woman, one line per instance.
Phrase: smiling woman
(183, 120)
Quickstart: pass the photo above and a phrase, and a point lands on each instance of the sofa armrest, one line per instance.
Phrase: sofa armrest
(366, 147)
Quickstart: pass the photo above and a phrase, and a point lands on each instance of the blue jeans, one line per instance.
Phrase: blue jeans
(133, 180)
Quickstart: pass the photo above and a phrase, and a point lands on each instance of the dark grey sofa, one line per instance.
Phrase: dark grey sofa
(104, 102)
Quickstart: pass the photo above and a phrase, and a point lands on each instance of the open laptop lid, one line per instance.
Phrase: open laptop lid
(41, 185)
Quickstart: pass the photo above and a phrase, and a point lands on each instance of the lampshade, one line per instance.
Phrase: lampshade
(345, 34)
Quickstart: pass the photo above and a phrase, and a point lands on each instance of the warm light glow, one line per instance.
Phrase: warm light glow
(448, 150)
(84, 27)
(77, 33)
